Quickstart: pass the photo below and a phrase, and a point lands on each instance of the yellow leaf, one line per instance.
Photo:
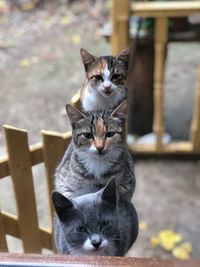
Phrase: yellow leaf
(167, 245)
(24, 62)
(180, 253)
(76, 39)
(65, 20)
(27, 6)
(169, 235)
(155, 241)
(187, 246)
(143, 226)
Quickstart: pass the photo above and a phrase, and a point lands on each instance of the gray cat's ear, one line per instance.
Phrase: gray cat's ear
(121, 110)
(61, 204)
(124, 56)
(87, 58)
(110, 192)
(74, 114)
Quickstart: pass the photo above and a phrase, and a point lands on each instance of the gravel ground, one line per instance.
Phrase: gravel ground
(40, 70)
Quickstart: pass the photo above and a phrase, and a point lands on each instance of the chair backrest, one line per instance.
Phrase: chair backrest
(160, 11)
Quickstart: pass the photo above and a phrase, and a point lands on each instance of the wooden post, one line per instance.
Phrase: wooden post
(21, 174)
(54, 146)
(3, 243)
(195, 126)
(161, 35)
(120, 25)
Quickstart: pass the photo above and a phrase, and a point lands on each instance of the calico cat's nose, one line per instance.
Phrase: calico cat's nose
(96, 241)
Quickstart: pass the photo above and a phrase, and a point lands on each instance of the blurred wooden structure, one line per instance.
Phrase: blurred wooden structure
(18, 164)
(160, 11)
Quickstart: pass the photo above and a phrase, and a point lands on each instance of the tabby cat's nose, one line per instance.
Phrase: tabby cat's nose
(100, 149)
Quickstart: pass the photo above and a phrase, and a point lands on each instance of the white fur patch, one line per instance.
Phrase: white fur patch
(87, 246)
(98, 165)
(106, 73)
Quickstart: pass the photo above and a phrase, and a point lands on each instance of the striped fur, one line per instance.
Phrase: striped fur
(97, 153)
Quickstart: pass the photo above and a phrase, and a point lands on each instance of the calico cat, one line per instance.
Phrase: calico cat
(105, 83)
(94, 224)
(97, 152)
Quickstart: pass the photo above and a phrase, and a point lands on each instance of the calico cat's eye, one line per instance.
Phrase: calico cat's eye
(110, 134)
(88, 135)
(117, 76)
(98, 77)
(81, 229)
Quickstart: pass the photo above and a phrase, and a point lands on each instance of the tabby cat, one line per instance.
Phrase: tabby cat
(96, 153)
(94, 224)
(105, 83)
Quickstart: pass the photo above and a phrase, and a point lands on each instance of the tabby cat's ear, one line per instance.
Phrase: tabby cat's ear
(110, 192)
(124, 56)
(74, 114)
(61, 204)
(87, 58)
(121, 110)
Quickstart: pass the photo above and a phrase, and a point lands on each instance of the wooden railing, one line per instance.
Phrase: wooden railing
(160, 11)
(18, 164)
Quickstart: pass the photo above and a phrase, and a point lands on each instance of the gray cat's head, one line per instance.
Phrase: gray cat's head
(89, 222)
(106, 74)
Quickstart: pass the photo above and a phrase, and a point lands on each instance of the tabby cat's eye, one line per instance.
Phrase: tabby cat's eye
(117, 76)
(88, 135)
(105, 223)
(98, 77)
(110, 134)
(81, 229)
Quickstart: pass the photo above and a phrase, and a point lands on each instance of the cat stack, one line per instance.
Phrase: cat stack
(95, 180)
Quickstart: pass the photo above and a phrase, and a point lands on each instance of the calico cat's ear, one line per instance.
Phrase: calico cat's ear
(121, 110)
(61, 204)
(87, 58)
(124, 56)
(109, 192)
(74, 114)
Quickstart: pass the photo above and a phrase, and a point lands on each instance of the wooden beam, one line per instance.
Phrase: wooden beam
(120, 25)
(21, 173)
(165, 8)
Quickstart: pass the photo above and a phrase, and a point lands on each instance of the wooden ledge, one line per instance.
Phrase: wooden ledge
(165, 9)
(64, 261)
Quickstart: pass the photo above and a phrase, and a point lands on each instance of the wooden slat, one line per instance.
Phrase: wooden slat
(165, 8)
(36, 157)
(120, 25)
(76, 100)
(161, 32)
(172, 148)
(21, 173)
(195, 126)
(54, 146)
(12, 228)
(3, 243)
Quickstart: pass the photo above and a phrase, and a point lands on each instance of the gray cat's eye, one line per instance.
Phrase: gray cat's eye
(88, 135)
(110, 134)
(81, 229)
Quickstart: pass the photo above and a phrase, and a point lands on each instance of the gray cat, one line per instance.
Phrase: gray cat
(94, 224)
(96, 153)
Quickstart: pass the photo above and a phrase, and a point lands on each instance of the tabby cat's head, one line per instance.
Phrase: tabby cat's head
(98, 133)
(106, 74)
(89, 222)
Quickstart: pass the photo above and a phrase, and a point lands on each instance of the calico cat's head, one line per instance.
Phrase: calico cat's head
(89, 222)
(106, 74)
(99, 133)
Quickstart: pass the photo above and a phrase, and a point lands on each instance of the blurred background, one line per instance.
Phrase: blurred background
(40, 71)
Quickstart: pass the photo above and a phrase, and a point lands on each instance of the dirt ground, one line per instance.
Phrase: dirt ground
(41, 69)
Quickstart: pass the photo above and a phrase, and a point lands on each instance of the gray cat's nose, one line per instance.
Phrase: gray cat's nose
(96, 241)
(100, 150)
